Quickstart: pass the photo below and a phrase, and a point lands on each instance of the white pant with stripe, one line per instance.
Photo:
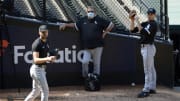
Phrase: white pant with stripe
(148, 52)
(39, 84)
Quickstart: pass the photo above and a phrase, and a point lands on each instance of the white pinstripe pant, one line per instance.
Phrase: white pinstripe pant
(148, 52)
(39, 84)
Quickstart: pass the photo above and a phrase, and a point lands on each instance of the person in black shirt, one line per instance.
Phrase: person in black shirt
(148, 31)
(92, 30)
(40, 50)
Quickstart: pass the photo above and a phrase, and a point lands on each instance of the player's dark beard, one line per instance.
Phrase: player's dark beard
(43, 36)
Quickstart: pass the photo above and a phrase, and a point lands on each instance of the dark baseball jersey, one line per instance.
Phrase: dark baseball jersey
(148, 32)
(41, 47)
(91, 31)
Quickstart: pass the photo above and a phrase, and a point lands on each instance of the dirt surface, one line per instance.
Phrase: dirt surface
(107, 93)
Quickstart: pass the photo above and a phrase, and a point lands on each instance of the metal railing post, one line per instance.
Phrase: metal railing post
(166, 19)
(44, 10)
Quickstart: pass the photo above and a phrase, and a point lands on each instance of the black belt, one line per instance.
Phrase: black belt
(143, 45)
(41, 65)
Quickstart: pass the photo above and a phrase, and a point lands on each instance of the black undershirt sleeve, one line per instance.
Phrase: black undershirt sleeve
(35, 47)
(135, 30)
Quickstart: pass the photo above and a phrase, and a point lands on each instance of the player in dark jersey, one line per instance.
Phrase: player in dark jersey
(148, 31)
(40, 49)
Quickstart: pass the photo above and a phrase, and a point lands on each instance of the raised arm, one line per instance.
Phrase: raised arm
(63, 26)
(134, 18)
(138, 23)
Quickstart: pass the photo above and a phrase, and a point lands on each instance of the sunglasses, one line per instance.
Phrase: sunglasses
(90, 11)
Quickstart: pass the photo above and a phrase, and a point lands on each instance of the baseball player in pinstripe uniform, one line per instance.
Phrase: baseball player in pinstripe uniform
(147, 30)
(40, 49)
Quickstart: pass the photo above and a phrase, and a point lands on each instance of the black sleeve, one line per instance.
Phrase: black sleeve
(105, 23)
(78, 24)
(149, 29)
(135, 30)
(35, 46)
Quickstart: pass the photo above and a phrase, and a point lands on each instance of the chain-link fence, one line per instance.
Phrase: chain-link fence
(116, 11)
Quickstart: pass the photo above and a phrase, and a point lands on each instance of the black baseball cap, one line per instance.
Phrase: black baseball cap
(151, 11)
(43, 28)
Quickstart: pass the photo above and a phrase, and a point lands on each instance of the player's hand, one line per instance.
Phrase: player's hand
(132, 15)
(51, 58)
(62, 26)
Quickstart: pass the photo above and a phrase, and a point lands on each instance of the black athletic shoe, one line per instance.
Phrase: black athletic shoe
(143, 94)
(152, 91)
